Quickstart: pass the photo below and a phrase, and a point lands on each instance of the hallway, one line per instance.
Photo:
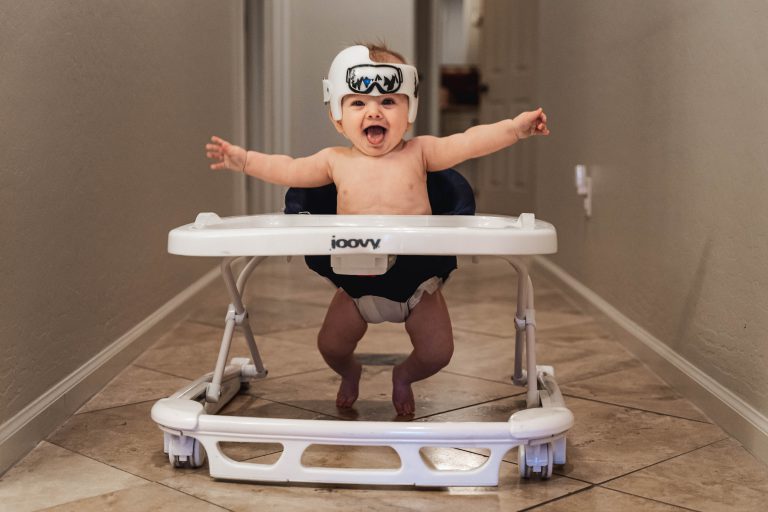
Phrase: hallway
(636, 444)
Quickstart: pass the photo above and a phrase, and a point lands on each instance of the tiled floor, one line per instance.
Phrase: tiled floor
(636, 444)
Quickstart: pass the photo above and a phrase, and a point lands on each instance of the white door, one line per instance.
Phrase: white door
(505, 182)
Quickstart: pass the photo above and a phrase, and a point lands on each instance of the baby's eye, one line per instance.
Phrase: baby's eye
(388, 101)
(357, 103)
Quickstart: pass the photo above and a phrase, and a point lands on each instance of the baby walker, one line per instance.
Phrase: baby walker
(193, 430)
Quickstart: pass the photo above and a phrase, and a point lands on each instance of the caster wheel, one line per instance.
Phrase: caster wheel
(198, 455)
(546, 471)
(174, 460)
(195, 460)
(526, 467)
(525, 470)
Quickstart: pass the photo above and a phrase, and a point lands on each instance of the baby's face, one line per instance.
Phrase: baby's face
(375, 125)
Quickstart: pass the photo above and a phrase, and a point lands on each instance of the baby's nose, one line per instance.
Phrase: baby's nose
(373, 111)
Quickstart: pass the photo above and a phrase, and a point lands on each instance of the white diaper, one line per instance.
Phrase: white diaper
(376, 310)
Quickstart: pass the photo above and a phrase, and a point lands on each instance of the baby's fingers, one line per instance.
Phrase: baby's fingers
(214, 151)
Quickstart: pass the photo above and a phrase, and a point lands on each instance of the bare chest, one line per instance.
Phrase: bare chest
(393, 184)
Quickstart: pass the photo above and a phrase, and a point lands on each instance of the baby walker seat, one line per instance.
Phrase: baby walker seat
(193, 430)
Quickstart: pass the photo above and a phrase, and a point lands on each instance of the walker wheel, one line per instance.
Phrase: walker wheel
(174, 460)
(196, 460)
(198, 455)
(522, 465)
(546, 471)
(527, 470)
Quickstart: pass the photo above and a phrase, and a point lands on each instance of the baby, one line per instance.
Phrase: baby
(373, 98)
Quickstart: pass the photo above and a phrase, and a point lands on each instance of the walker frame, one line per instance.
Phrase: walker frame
(193, 430)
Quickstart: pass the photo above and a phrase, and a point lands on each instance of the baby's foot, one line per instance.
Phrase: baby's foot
(402, 395)
(349, 388)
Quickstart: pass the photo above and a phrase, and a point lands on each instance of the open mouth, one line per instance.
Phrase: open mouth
(375, 134)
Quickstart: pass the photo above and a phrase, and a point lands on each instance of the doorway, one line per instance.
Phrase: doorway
(484, 55)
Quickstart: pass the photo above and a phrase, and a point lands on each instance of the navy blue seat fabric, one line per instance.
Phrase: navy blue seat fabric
(449, 194)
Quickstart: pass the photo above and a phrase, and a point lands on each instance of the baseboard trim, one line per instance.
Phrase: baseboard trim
(25, 429)
(727, 410)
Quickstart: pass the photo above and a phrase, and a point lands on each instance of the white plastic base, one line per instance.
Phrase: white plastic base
(183, 419)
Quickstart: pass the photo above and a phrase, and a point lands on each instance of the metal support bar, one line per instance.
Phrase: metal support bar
(236, 315)
(246, 325)
(525, 333)
(214, 388)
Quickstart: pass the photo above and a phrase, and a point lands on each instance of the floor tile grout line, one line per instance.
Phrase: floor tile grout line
(411, 420)
(94, 459)
(559, 498)
(635, 470)
(636, 363)
(681, 507)
(470, 331)
(148, 480)
(598, 486)
(287, 404)
(117, 406)
(163, 372)
(707, 445)
(572, 382)
(467, 406)
(603, 402)
(167, 486)
(192, 320)
(78, 412)
(512, 334)
(272, 377)
(494, 381)
(279, 377)
(256, 334)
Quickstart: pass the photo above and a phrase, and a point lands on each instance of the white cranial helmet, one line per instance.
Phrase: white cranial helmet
(353, 72)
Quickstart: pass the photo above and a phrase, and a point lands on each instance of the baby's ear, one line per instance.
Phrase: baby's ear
(336, 124)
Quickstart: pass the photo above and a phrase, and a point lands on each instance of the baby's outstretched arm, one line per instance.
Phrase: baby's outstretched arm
(311, 171)
(445, 152)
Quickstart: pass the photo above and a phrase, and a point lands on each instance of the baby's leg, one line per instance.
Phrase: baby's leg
(342, 329)
(429, 327)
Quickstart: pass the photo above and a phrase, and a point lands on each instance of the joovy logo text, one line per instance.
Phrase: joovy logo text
(353, 243)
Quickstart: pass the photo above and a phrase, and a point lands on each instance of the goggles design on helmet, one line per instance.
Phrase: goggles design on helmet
(353, 72)
(364, 77)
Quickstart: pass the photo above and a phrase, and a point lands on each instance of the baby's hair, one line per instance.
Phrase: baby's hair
(379, 52)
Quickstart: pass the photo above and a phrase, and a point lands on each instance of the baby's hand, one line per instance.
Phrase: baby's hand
(226, 155)
(529, 124)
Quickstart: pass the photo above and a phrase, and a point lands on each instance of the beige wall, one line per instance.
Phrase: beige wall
(104, 110)
(665, 101)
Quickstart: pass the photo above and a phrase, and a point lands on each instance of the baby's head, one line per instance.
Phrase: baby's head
(373, 97)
